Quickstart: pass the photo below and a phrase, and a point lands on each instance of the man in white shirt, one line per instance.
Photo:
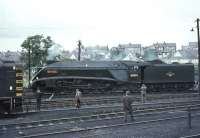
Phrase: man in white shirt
(78, 98)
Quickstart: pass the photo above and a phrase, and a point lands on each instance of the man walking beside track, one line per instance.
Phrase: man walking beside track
(143, 93)
(38, 98)
(78, 98)
(127, 106)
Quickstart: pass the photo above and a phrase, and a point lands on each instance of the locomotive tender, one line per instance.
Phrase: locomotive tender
(11, 87)
(113, 75)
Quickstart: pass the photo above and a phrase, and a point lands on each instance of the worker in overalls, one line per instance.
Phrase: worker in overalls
(143, 93)
(127, 106)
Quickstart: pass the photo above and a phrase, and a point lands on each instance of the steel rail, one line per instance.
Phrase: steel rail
(106, 127)
(99, 115)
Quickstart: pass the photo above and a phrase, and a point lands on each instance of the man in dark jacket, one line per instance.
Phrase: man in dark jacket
(38, 98)
(127, 107)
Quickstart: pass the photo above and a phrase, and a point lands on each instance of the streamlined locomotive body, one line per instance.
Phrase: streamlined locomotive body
(113, 75)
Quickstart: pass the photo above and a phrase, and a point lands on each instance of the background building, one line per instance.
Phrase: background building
(164, 50)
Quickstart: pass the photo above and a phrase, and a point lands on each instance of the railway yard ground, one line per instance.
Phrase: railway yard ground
(161, 116)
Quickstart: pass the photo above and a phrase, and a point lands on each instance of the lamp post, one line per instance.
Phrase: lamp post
(29, 64)
(198, 42)
(198, 51)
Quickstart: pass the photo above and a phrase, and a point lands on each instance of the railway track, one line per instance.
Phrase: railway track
(192, 136)
(95, 109)
(142, 110)
(81, 130)
(30, 104)
(91, 109)
(71, 130)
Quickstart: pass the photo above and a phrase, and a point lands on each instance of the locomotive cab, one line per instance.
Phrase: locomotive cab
(135, 71)
(135, 74)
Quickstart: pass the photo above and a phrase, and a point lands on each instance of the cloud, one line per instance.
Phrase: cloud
(99, 21)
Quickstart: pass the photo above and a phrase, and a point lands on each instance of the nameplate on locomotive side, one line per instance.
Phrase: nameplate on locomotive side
(52, 71)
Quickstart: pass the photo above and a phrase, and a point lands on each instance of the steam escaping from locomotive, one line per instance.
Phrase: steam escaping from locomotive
(54, 53)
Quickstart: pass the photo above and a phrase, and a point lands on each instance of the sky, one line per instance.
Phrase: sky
(98, 22)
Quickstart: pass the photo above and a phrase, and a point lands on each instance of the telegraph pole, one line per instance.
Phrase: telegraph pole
(198, 53)
(29, 65)
(79, 50)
